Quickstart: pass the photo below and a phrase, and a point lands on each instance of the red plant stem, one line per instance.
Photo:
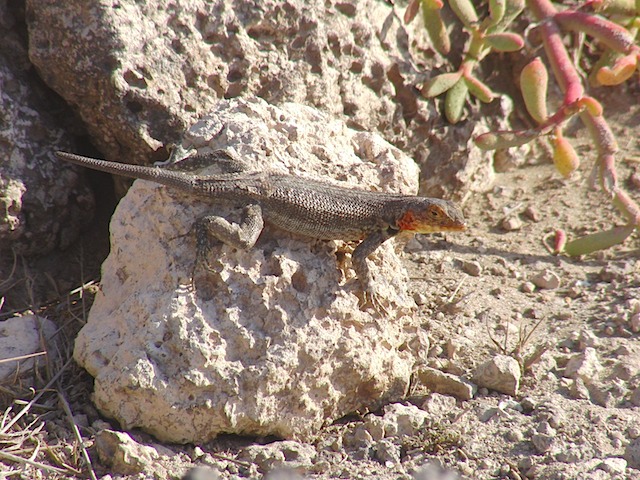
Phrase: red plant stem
(606, 146)
(557, 54)
(609, 33)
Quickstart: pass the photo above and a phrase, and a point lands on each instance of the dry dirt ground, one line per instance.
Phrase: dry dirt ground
(476, 301)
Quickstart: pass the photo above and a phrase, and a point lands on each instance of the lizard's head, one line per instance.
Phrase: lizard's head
(431, 215)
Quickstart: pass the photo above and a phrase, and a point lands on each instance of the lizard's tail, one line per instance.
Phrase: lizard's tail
(181, 180)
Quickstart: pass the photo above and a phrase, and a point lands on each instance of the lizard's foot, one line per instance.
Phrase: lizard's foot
(372, 300)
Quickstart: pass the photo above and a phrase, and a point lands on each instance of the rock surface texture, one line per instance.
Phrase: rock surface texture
(41, 206)
(21, 337)
(139, 73)
(271, 341)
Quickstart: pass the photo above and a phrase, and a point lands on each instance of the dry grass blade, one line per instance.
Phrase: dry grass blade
(22, 357)
(76, 433)
(457, 289)
(15, 458)
(28, 406)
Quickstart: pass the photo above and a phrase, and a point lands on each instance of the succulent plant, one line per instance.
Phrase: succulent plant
(613, 24)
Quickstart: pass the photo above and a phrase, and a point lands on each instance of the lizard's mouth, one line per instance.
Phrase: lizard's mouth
(439, 228)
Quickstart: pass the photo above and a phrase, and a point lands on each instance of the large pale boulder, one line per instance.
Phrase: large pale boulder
(271, 341)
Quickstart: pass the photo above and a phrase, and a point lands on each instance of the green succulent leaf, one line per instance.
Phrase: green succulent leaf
(440, 84)
(479, 89)
(505, 42)
(436, 28)
(497, 9)
(455, 100)
(534, 80)
(513, 8)
(465, 11)
(598, 241)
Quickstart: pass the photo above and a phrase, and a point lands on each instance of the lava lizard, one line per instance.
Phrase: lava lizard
(298, 205)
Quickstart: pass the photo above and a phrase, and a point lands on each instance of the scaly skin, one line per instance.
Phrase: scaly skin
(300, 205)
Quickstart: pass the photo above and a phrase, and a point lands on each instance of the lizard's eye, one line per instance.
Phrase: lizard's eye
(435, 212)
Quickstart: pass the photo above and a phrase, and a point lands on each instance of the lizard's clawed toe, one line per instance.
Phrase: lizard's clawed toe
(373, 301)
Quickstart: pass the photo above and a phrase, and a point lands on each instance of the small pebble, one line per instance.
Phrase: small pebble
(546, 279)
(632, 453)
(511, 224)
(528, 287)
(578, 390)
(583, 365)
(614, 465)
(387, 453)
(472, 268)
(375, 425)
(546, 428)
(514, 436)
(570, 454)
(542, 442)
(501, 373)
(532, 213)
(587, 338)
(197, 453)
(420, 298)
(528, 404)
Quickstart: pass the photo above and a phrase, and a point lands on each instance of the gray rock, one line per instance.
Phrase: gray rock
(614, 465)
(375, 425)
(435, 472)
(546, 279)
(501, 373)
(279, 456)
(546, 428)
(272, 341)
(20, 337)
(472, 268)
(359, 438)
(283, 473)
(201, 473)
(572, 453)
(446, 383)
(584, 365)
(387, 452)
(123, 455)
(579, 390)
(634, 397)
(632, 453)
(542, 442)
(405, 420)
(440, 406)
(143, 72)
(43, 205)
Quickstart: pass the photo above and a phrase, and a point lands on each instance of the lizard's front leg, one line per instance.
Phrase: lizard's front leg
(359, 261)
(242, 235)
